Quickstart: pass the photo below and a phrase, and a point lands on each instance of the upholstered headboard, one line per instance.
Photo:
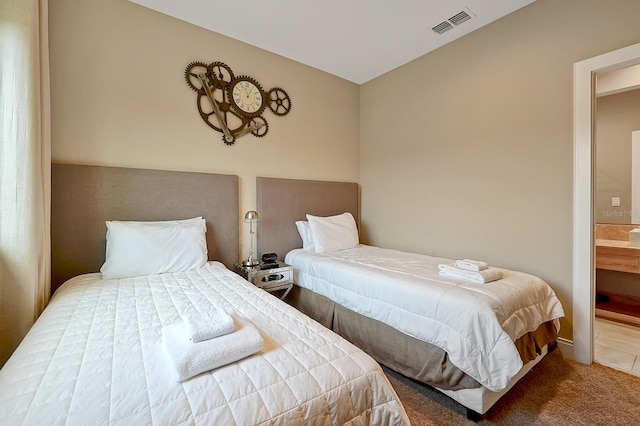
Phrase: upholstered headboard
(280, 202)
(84, 197)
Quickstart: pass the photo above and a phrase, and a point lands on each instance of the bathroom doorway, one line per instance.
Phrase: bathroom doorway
(583, 195)
(617, 277)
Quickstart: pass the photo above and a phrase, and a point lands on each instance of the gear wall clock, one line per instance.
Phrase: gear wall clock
(233, 105)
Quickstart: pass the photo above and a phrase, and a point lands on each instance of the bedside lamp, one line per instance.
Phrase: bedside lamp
(251, 217)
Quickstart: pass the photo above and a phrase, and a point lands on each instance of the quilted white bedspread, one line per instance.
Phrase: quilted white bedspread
(476, 324)
(95, 357)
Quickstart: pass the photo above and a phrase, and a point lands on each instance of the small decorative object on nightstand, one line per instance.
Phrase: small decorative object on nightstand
(271, 280)
(251, 217)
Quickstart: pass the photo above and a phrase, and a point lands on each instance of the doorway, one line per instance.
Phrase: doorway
(616, 330)
(583, 178)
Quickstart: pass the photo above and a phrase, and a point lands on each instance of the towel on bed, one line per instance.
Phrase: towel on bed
(472, 265)
(189, 359)
(485, 276)
(208, 324)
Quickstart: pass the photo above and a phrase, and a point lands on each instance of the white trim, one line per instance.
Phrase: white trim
(583, 158)
(565, 346)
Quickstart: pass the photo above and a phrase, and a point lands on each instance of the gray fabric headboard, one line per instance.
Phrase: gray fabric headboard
(84, 197)
(280, 202)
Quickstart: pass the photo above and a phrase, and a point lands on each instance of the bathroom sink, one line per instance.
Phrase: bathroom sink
(634, 237)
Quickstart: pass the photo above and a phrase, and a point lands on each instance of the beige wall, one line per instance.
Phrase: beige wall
(616, 117)
(119, 98)
(468, 151)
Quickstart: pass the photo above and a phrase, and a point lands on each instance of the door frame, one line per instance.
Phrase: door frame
(584, 94)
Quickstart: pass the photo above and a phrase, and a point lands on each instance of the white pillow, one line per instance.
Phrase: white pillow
(333, 233)
(145, 248)
(305, 233)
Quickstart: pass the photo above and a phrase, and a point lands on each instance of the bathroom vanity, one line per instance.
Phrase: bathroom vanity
(613, 250)
(615, 253)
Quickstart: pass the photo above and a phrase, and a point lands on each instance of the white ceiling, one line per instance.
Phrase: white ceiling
(357, 40)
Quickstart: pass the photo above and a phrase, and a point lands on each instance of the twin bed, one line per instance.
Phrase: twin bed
(471, 341)
(97, 353)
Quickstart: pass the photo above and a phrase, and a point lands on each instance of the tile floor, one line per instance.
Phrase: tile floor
(617, 345)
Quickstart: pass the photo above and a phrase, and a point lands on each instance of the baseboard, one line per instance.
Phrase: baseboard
(566, 347)
(618, 317)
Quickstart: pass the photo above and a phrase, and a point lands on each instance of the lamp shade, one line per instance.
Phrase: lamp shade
(250, 216)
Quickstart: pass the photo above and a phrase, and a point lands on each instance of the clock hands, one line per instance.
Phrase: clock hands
(247, 95)
(228, 137)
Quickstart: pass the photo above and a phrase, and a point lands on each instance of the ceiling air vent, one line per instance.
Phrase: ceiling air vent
(459, 18)
(442, 27)
(455, 20)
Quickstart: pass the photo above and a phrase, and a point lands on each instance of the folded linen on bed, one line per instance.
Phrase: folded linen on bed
(472, 265)
(189, 359)
(208, 324)
(481, 277)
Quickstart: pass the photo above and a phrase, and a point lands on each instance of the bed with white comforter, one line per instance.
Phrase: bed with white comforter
(476, 324)
(95, 356)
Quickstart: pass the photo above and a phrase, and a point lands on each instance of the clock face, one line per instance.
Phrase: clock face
(247, 97)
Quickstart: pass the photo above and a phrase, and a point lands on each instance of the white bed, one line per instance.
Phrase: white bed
(95, 355)
(475, 324)
(379, 319)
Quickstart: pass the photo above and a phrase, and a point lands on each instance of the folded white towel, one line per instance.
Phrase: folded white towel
(208, 324)
(472, 265)
(481, 277)
(189, 359)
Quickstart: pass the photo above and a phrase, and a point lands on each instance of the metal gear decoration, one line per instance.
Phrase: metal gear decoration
(191, 75)
(260, 125)
(230, 119)
(233, 105)
(228, 141)
(207, 113)
(280, 102)
(221, 73)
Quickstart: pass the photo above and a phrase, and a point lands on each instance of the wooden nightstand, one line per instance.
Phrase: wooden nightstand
(272, 280)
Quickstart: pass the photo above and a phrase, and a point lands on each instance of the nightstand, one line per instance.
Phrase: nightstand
(271, 280)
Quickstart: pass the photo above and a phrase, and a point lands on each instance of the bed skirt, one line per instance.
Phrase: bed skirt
(407, 355)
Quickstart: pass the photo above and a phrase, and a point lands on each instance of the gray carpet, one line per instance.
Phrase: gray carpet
(556, 392)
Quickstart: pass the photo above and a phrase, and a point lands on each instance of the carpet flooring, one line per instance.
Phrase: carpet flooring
(556, 392)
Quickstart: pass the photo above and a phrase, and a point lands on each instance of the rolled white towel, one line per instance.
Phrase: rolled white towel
(472, 265)
(189, 359)
(208, 324)
(481, 277)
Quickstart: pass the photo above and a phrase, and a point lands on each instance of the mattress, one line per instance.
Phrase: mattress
(95, 354)
(476, 324)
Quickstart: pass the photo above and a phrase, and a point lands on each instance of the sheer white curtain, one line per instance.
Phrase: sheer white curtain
(25, 168)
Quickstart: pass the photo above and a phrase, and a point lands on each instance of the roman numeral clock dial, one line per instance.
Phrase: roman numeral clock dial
(246, 97)
(233, 105)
